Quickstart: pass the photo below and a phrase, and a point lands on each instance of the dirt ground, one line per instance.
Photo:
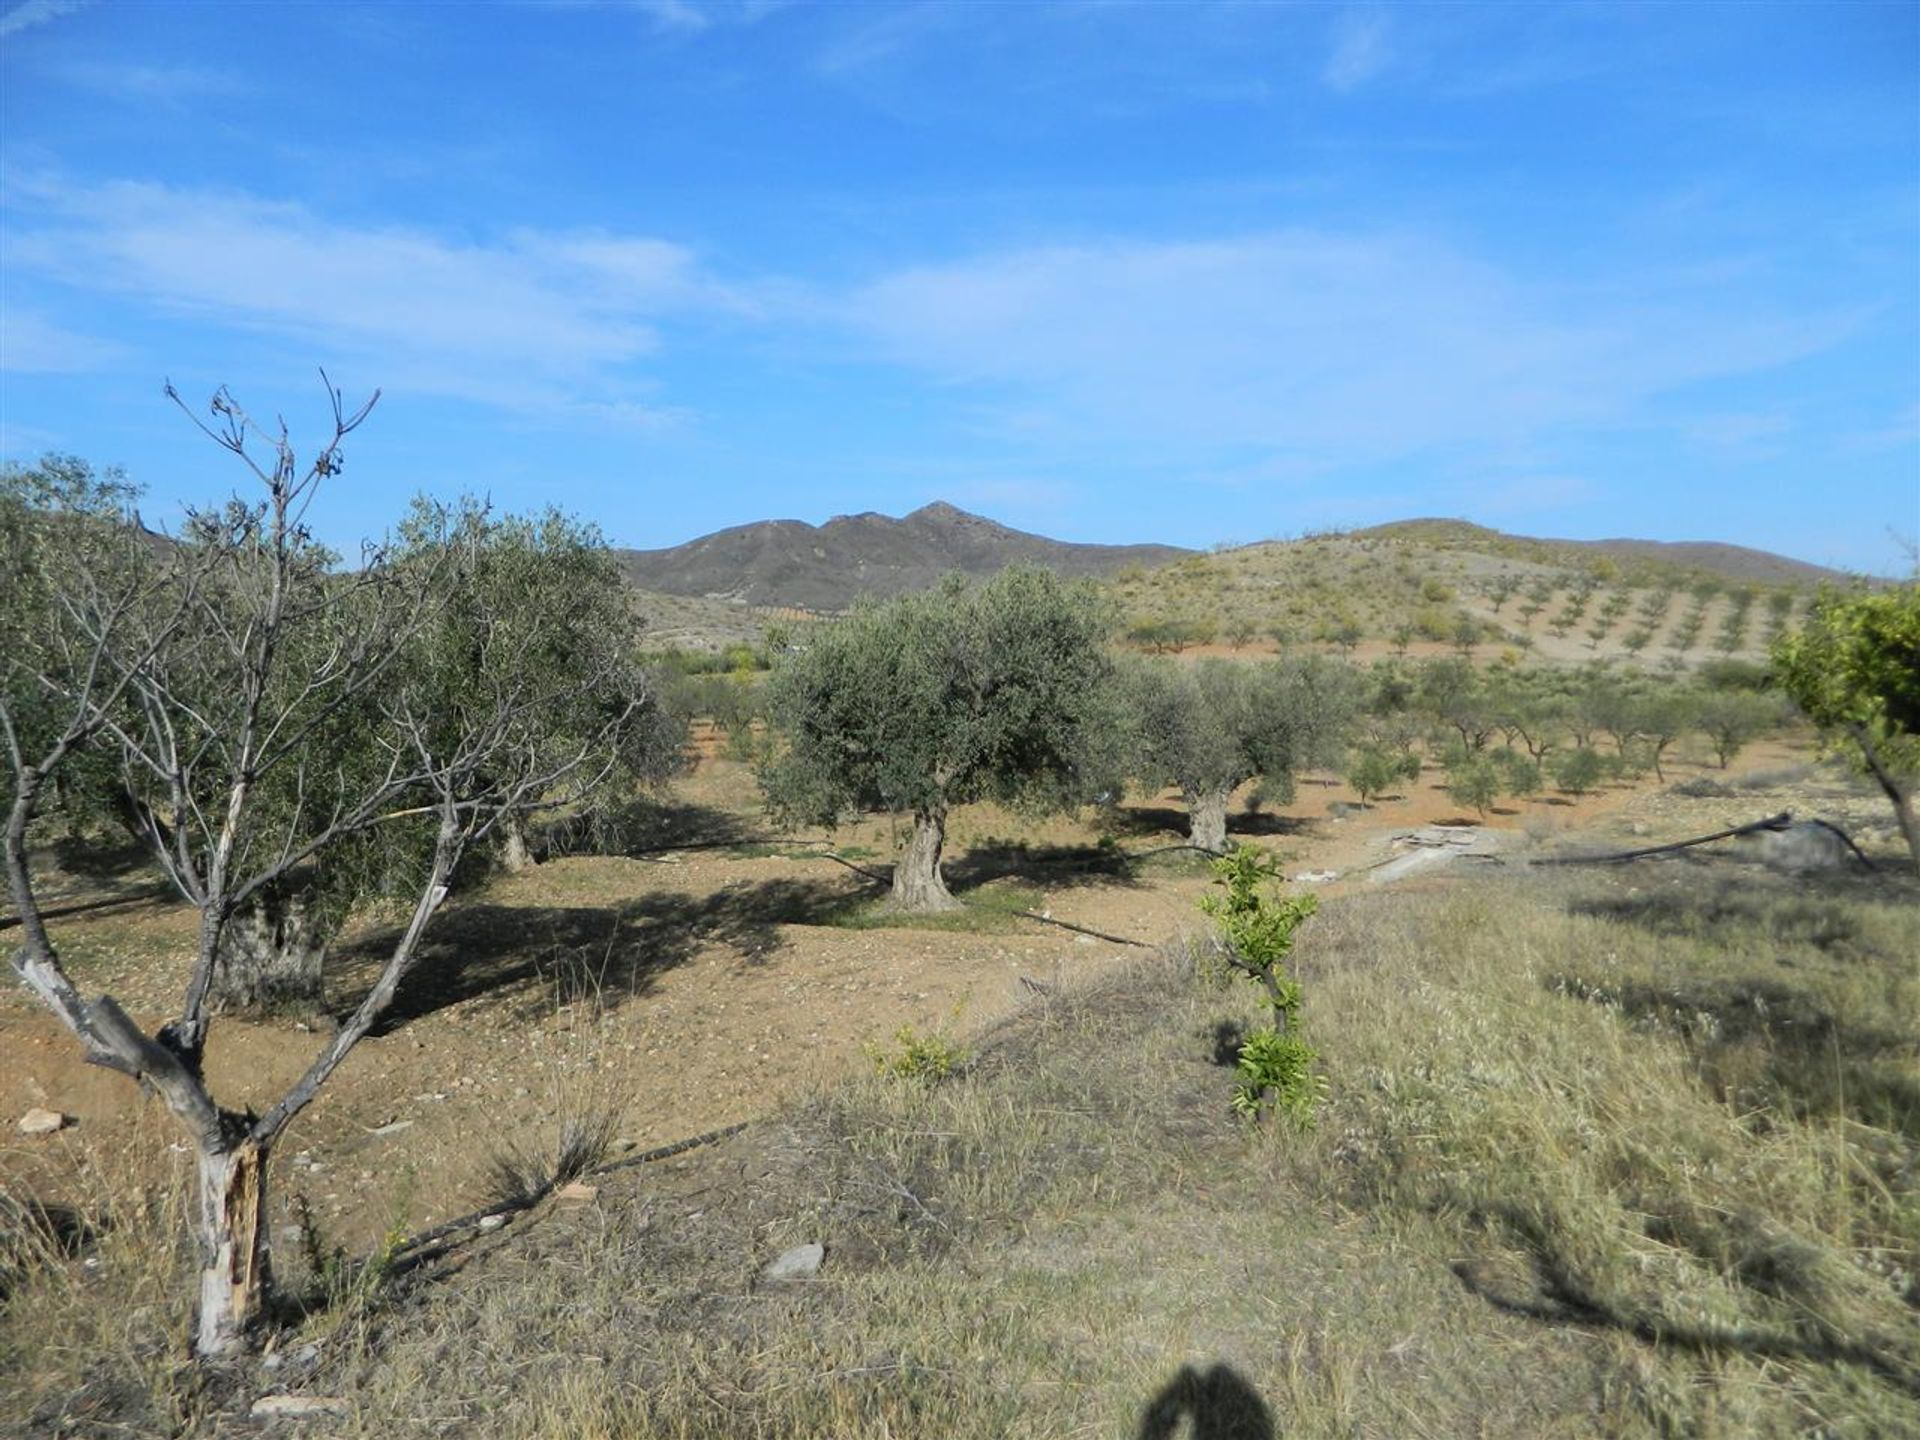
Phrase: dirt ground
(688, 988)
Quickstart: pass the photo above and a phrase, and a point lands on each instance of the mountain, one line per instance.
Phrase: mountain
(1709, 557)
(827, 567)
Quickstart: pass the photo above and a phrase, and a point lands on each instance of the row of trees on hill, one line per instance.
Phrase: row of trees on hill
(1008, 691)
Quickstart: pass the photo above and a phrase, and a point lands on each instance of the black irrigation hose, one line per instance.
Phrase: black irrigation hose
(1772, 822)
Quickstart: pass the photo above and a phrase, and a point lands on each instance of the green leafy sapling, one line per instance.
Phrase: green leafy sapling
(1256, 927)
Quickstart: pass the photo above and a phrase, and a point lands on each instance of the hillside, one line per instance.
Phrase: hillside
(1651, 558)
(827, 567)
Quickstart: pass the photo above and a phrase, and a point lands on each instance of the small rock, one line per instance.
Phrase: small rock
(577, 1190)
(295, 1407)
(798, 1263)
(392, 1127)
(42, 1122)
(492, 1222)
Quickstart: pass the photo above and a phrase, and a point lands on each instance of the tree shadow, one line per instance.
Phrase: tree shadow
(603, 956)
(1137, 821)
(112, 859)
(646, 826)
(1757, 1029)
(1560, 1295)
(1058, 867)
(1269, 823)
(32, 1231)
(1221, 1405)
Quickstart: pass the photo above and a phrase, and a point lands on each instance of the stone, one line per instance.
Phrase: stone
(492, 1222)
(42, 1122)
(298, 1407)
(1803, 848)
(802, 1262)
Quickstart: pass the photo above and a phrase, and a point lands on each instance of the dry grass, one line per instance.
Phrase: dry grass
(1628, 1154)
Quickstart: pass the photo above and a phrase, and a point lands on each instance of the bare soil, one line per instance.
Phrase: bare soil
(689, 988)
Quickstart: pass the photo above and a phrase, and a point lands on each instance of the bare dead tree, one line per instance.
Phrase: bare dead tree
(265, 711)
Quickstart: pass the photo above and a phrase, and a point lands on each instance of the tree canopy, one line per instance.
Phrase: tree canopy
(1854, 669)
(927, 701)
(1210, 727)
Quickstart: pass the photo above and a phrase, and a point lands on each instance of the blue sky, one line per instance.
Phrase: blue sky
(1185, 272)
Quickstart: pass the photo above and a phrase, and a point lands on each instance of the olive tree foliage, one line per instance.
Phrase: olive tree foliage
(545, 593)
(1854, 669)
(1209, 728)
(267, 713)
(997, 691)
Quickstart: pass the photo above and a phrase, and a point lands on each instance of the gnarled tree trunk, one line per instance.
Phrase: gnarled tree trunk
(1207, 819)
(917, 882)
(230, 1225)
(271, 958)
(514, 854)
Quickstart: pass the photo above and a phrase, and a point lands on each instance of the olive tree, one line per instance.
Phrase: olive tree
(1211, 727)
(928, 701)
(545, 591)
(264, 710)
(1854, 669)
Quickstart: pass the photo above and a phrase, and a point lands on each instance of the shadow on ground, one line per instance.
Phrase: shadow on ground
(1057, 867)
(1220, 1404)
(1560, 1295)
(647, 826)
(546, 956)
(1773, 1033)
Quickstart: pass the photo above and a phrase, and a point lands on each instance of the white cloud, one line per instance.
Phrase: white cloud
(674, 14)
(1294, 353)
(539, 317)
(1361, 51)
(37, 12)
(31, 345)
(155, 84)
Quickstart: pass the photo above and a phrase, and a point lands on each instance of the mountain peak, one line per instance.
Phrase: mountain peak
(826, 567)
(941, 512)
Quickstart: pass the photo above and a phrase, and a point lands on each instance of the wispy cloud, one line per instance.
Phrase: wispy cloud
(1302, 352)
(36, 12)
(1361, 50)
(29, 344)
(674, 14)
(533, 317)
(882, 38)
(156, 84)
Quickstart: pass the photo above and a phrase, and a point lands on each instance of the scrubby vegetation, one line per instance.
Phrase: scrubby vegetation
(1597, 1157)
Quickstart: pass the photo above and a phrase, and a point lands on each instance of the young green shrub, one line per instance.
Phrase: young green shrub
(1256, 927)
(924, 1059)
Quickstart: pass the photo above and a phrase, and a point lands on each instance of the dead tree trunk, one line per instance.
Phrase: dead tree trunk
(1207, 819)
(231, 1228)
(917, 882)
